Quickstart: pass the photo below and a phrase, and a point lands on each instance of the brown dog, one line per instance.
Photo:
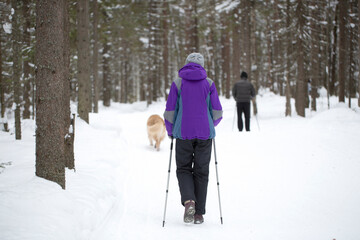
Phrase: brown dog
(156, 130)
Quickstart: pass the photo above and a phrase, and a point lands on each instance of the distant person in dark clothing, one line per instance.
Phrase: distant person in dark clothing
(243, 91)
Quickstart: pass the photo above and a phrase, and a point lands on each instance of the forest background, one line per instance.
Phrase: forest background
(92, 52)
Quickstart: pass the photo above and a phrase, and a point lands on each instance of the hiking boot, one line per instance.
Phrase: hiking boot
(198, 219)
(189, 211)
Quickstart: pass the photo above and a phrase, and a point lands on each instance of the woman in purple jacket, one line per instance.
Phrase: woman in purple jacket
(192, 111)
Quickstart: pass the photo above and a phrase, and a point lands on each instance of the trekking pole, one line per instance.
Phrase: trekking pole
(234, 118)
(168, 180)
(217, 180)
(257, 121)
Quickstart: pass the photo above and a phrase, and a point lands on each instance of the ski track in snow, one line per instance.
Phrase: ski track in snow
(292, 179)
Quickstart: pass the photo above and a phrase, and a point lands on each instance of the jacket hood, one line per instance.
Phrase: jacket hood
(192, 71)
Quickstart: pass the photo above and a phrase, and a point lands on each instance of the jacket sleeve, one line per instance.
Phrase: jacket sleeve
(170, 108)
(234, 91)
(217, 111)
(252, 91)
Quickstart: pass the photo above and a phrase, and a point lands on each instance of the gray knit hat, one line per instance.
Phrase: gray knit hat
(195, 58)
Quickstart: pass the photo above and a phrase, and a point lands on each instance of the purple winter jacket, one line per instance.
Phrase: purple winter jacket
(193, 108)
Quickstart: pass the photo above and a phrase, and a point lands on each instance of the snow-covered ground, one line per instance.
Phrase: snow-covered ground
(290, 178)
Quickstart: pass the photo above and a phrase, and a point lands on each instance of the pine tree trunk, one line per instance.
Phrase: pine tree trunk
(95, 65)
(2, 91)
(226, 73)
(254, 47)
(277, 50)
(247, 39)
(16, 66)
(69, 127)
(236, 46)
(269, 74)
(333, 80)
(106, 81)
(288, 53)
(300, 83)
(165, 52)
(49, 57)
(343, 7)
(191, 31)
(328, 53)
(83, 47)
(359, 50)
(254, 70)
(27, 80)
(351, 48)
(315, 71)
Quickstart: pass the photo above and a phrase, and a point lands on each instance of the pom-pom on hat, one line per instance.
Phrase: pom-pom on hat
(195, 58)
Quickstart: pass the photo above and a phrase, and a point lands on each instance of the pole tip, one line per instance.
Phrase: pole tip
(163, 223)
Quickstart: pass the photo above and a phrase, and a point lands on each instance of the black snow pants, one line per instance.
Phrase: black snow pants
(243, 107)
(192, 161)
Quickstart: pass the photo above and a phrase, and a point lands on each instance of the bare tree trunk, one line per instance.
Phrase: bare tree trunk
(351, 48)
(333, 80)
(236, 46)
(95, 65)
(254, 59)
(328, 55)
(359, 50)
(300, 83)
(49, 58)
(2, 91)
(165, 52)
(315, 41)
(191, 31)
(212, 61)
(288, 51)
(225, 58)
(106, 81)
(277, 50)
(27, 80)
(69, 126)
(269, 75)
(343, 10)
(16, 66)
(83, 47)
(247, 35)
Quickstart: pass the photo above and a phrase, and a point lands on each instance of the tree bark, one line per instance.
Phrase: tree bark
(236, 45)
(27, 80)
(359, 50)
(2, 91)
(192, 38)
(95, 65)
(226, 73)
(333, 79)
(269, 74)
(300, 83)
(69, 126)
(83, 47)
(254, 60)
(165, 52)
(49, 58)
(106, 81)
(343, 7)
(315, 41)
(288, 68)
(16, 66)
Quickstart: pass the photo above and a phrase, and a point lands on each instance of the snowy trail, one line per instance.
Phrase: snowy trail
(296, 178)
(282, 191)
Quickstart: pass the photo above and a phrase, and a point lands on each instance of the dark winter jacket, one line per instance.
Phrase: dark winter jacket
(243, 91)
